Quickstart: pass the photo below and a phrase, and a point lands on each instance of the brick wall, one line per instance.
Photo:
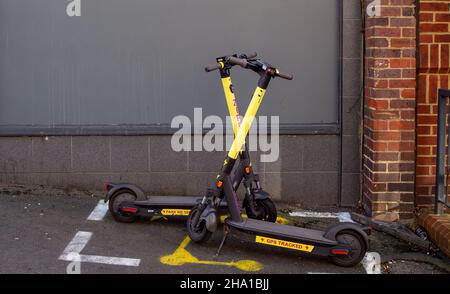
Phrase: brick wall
(389, 111)
(438, 229)
(434, 70)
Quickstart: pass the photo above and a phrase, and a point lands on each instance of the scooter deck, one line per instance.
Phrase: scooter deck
(281, 231)
(172, 201)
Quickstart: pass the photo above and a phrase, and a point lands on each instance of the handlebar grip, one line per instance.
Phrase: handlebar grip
(237, 61)
(284, 76)
(251, 55)
(213, 67)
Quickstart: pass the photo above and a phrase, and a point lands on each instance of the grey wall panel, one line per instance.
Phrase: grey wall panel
(304, 173)
(141, 61)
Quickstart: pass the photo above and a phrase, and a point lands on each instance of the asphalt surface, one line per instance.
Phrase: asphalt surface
(38, 226)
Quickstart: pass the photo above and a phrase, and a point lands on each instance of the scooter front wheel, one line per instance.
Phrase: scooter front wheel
(200, 233)
(357, 252)
(114, 204)
(265, 210)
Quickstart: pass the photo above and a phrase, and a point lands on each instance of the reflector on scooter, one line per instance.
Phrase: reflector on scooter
(339, 252)
(107, 186)
(130, 209)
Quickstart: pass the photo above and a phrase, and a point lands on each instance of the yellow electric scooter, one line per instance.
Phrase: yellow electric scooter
(128, 202)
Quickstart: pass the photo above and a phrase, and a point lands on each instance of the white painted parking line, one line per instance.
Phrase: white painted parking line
(73, 250)
(99, 211)
(78, 242)
(110, 260)
(342, 216)
(345, 217)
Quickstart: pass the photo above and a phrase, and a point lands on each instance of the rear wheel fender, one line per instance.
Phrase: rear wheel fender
(334, 230)
(256, 195)
(140, 195)
(209, 215)
(261, 195)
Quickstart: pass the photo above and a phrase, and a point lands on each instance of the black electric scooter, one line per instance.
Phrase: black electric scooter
(344, 243)
(127, 202)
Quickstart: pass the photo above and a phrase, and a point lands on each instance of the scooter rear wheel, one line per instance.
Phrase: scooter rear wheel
(201, 233)
(265, 210)
(114, 203)
(357, 245)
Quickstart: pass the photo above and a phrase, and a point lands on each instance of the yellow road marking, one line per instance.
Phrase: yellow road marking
(155, 218)
(181, 256)
(282, 220)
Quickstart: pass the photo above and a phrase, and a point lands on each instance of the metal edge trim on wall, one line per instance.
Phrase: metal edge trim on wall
(138, 130)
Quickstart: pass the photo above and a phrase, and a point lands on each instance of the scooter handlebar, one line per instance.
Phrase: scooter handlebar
(238, 61)
(283, 75)
(233, 61)
(251, 55)
(213, 67)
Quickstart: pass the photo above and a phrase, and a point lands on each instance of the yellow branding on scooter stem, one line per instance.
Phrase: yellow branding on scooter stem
(284, 244)
(244, 128)
(183, 212)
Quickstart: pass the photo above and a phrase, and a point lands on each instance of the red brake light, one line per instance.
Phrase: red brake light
(129, 209)
(339, 252)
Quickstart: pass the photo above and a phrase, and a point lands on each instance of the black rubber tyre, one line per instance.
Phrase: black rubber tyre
(114, 203)
(356, 242)
(201, 234)
(266, 208)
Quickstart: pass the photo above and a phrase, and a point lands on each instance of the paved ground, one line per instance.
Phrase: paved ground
(40, 226)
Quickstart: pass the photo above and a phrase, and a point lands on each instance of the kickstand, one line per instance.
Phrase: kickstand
(226, 231)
